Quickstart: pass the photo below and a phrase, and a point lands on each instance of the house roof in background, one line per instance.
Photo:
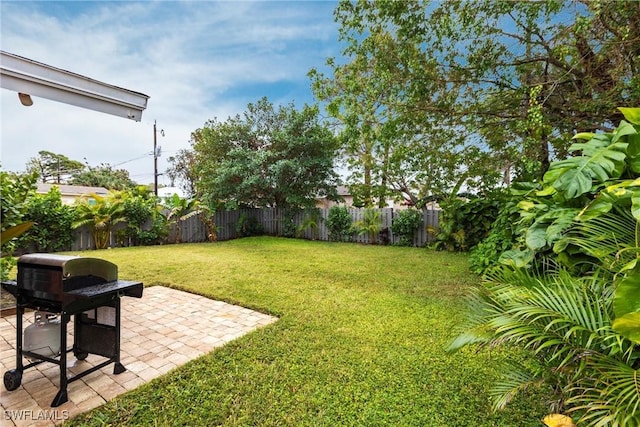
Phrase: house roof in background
(72, 190)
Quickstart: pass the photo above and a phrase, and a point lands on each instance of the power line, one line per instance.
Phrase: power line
(131, 160)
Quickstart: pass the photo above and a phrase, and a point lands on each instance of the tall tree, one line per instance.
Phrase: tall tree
(53, 168)
(181, 171)
(460, 91)
(267, 157)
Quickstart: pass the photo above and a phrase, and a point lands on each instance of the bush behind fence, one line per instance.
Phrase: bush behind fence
(273, 222)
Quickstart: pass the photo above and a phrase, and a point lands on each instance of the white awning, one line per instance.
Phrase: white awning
(26, 76)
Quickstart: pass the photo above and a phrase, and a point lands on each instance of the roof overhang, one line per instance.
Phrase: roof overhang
(26, 76)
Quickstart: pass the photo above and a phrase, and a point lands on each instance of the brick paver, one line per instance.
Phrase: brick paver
(161, 331)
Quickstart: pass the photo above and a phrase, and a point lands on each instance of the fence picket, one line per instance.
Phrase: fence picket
(272, 219)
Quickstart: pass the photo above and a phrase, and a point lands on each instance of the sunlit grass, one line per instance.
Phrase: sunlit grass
(360, 340)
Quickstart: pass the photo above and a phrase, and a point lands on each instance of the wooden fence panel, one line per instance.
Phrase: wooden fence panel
(272, 221)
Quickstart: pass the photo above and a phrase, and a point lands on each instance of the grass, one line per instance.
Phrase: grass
(360, 340)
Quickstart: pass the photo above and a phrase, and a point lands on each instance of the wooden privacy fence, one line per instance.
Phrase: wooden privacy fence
(276, 222)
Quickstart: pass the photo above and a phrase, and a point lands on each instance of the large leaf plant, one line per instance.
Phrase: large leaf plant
(570, 293)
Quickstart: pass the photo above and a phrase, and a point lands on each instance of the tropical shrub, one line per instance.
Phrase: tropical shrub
(15, 192)
(53, 224)
(339, 224)
(138, 212)
(100, 214)
(405, 224)
(248, 226)
(503, 234)
(180, 210)
(311, 222)
(570, 291)
(370, 224)
(465, 222)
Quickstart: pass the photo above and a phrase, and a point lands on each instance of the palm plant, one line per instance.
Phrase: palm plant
(370, 224)
(580, 320)
(180, 210)
(100, 214)
(311, 222)
(566, 322)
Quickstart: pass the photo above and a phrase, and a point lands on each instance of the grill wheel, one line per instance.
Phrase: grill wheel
(12, 379)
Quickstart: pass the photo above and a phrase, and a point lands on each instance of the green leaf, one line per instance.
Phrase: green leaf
(625, 128)
(584, 135)
(599, 206)
(573, 183)
(15, 231)
(536, 237)
(635, 204)
(516, 258)
(626, 306)
(631, 114)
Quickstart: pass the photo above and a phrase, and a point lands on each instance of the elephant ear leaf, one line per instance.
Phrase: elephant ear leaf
(626, 306)
(600, 160)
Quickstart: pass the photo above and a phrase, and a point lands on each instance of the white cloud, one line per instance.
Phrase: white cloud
(193, 59)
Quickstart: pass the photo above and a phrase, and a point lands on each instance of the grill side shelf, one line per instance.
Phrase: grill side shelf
(128, 288)
(10, 286)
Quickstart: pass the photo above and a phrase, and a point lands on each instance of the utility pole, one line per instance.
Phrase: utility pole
(155, 160)
(156, 154)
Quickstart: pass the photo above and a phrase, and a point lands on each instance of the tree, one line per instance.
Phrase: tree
(101, 214)
(103, 175)
(182, 170)
(432, 96)
(267, 157)
(53, 168)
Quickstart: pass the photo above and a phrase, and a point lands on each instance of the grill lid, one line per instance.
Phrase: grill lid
(69, 266)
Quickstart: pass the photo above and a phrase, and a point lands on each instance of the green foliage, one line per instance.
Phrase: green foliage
(370, 224)
(465, 223)
(405, 224)
(15, 192)
(105, 176)
(248, 226)
(502, 235)
(266, 158)
(53, 221)
(53, 167)
(289, 228)
(566, 322)
(100, 214)
(569, 292)
(145, 224)
(600, 177)
(339, 224)
(181, 209)
(311, 222)
(424, 90)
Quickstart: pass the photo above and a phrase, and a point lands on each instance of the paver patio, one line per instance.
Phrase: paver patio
(161, 331)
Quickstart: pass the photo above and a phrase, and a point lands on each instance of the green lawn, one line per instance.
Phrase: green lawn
(360, 340)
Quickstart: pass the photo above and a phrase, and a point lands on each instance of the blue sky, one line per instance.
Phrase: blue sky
(196, 60)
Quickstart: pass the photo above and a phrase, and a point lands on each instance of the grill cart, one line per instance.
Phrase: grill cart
(59, 287)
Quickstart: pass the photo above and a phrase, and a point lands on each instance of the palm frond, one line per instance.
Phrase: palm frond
(612, 239)
(515, 380)
(611, 396)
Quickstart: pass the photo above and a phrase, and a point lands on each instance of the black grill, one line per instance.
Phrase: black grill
(86, 288)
